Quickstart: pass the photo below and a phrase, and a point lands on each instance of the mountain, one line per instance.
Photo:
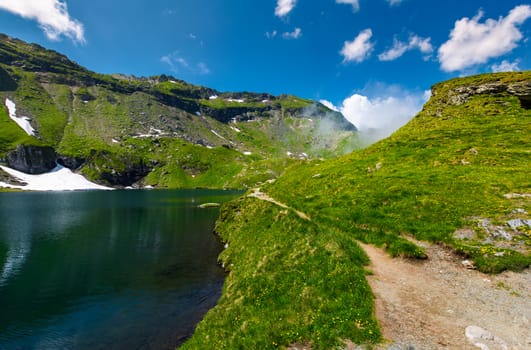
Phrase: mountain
(160, 131)
(457, 175)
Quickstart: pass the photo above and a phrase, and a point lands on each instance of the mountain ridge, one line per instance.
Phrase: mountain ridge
(107, 125)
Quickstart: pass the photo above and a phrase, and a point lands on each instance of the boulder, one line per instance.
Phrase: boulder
(32, 159)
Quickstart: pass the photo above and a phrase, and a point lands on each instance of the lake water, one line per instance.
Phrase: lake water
(106, 269)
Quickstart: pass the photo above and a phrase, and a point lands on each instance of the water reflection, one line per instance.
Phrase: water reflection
(100, 269)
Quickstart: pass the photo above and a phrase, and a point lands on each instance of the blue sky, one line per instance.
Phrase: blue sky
(372, 59)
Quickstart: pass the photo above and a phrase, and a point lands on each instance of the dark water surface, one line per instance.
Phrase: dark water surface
(106, 269)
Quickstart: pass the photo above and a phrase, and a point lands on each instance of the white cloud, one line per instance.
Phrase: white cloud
(284, 7)
(399, 48)
(355, 4)
(380, 116)
(179, 64)
(394, 2)
(472, 42)
(358, 49)
(52, 16)
(329, 105)
(297, 33)
(203, 68)
(506, 66)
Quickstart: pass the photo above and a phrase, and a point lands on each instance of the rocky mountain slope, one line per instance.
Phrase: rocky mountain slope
(159, 131)
(456, 176)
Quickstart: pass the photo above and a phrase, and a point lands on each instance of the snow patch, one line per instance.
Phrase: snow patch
(213, 97)
(58, 179)
(235, 129)
(247, 153)
(218, 135)
(235, 100)
(152, 133)
(23, 122)
(115, 141)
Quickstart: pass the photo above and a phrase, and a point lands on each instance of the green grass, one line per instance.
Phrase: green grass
(435, 174)
(293, 102)
(298, 281)
(290, 281)
(32, 99)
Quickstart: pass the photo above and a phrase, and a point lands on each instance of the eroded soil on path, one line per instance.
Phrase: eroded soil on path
(431, 304)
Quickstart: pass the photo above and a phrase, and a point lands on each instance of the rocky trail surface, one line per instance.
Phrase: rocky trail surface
(440, 304)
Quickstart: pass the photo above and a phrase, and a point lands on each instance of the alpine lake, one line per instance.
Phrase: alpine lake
(123, 269)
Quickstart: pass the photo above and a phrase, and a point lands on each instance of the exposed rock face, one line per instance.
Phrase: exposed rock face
(131, 174)
(521, 89)
(72, 163)
(32, 159)
(118, 170)
(6, 82)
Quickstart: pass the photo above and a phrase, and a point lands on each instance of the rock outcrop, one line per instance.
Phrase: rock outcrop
(522, 90)
(72, 163)
(6, 82)
(117, 170)
(32, 159)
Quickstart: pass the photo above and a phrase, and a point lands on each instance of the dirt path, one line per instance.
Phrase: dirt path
(262, 196)
(439, 304)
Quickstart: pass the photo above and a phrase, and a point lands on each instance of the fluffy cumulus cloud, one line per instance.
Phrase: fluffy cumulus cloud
(474, 42)
(399, 48)
(354, 3)
(359, 49)
(505, 66)
(52, 16)
(284, 7)
(378, 117)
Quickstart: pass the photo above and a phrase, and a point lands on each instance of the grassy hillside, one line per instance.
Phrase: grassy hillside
(462, 160)
(179, 134)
